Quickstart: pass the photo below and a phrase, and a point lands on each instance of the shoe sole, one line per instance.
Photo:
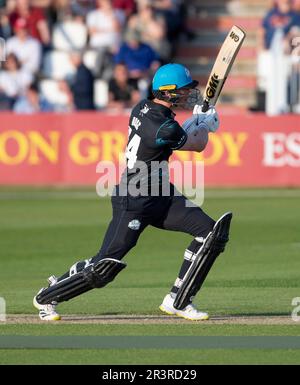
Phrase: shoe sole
(56, 318)
(204, 318)
(164, 310)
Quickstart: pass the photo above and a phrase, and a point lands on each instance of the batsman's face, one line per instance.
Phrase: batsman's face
(188, 97)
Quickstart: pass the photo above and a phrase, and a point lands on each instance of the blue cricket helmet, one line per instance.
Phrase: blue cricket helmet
(172, 77)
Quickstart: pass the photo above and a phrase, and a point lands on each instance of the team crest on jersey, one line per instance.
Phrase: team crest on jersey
(145, 110)
(135, 224)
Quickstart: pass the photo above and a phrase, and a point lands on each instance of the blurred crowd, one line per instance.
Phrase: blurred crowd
(65, 55)
(279, 59)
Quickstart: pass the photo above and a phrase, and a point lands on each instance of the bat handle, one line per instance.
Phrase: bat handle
(205, 106)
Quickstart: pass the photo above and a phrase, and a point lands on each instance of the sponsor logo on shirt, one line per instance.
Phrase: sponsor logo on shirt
(135, 224)
(145, 110)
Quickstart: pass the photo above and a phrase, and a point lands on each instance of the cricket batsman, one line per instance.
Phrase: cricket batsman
(153, 135)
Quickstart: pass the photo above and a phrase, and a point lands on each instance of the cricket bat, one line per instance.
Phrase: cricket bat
(222, 66)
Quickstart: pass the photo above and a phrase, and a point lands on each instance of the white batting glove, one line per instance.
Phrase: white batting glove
(209, 119)
(191, 126)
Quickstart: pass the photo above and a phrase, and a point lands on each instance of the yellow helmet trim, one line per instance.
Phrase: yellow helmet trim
(167, 88)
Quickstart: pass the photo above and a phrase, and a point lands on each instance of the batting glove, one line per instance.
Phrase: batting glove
(209, 119)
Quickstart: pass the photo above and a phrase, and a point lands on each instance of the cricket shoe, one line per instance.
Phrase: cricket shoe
(189, 312)
(47, 312)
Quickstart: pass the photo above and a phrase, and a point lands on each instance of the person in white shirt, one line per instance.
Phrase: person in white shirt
(26, 48)
(13, 81)
(104, 25)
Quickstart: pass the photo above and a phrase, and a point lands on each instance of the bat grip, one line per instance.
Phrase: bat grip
(205, 106)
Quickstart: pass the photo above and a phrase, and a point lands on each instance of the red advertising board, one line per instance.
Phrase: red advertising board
(46, 149)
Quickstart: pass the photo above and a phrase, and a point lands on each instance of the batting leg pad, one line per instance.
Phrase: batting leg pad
(93, 276)
(213, 245)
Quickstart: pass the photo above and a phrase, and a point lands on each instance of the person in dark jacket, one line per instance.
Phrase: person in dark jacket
(82, 84)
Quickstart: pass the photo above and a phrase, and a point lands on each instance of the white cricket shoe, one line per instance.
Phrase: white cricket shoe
(189, 312)
(47, 312)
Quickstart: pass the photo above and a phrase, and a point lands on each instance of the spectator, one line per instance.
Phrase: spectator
(294, 31)
(82, 85)
(171, 11)
(281, 16)
(32, 102)
(58, 11)
(5, 28)
(26, 48)
(123, 92)
(138, 57)
(13, 81)
(104, 26)
(104, 30)
(35, 18)
(296, 6)
(70, 34)
(151, 28)
(292, 45)
(271, 45)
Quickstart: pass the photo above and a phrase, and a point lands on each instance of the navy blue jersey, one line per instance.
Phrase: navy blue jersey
(153, 135)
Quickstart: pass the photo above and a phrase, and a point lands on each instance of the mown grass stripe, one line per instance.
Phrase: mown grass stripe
(149, 342)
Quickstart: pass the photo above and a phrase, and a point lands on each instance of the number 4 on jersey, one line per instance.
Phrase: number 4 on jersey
(131, 150)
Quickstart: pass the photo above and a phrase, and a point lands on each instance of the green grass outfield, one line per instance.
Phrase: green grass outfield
(44, 232)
